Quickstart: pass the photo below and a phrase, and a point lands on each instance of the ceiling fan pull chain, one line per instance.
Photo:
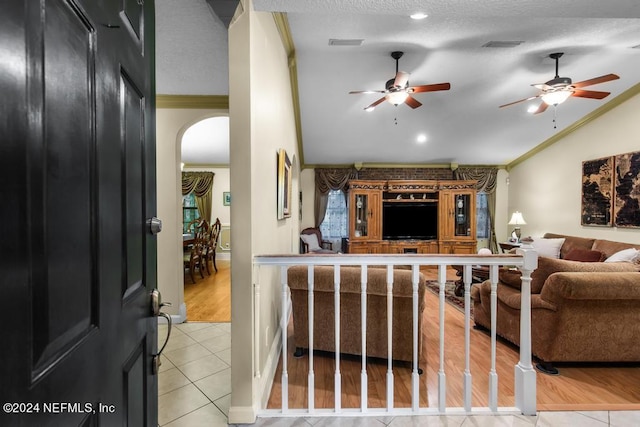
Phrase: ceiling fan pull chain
(555, 114)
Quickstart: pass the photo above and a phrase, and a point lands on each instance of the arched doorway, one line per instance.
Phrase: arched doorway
(204, 147)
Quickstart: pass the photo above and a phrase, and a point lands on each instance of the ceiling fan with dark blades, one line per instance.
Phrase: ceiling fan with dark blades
(398, 91)
(559, 89)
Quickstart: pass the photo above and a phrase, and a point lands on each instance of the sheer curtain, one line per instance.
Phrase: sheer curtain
(201, 184)
(327, 180)
(487, 179)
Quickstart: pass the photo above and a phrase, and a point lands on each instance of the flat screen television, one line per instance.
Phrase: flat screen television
(409, 221)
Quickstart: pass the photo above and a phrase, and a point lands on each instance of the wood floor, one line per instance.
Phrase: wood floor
(209, 299)
(578, 387)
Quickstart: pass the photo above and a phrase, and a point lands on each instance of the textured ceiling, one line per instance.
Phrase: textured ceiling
(463, 125)
(191, 49)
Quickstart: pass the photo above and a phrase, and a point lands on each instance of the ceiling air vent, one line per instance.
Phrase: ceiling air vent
(345, 42)
(503, 43)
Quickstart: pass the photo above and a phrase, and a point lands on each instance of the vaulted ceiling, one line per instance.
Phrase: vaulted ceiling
(491, 52)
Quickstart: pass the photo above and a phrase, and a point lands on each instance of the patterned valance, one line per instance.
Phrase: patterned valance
(486, 177)
(198, 182)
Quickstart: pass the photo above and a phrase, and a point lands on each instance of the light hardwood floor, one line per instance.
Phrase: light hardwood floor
(577, 388)
(209, 299)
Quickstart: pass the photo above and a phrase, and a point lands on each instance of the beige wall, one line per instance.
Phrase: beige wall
(308, 188)
(547, 187)
(261, 122)
(170, 126)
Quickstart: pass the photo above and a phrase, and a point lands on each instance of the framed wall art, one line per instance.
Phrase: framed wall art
(284, 185)
(597, 192)
(226, 198)
(627, 187)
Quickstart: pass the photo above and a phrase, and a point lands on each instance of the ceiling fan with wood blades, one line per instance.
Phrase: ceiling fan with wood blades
(559, 89)
(398, 91)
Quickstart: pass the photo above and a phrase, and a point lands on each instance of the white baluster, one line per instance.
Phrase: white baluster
(415, 377)
(311, 381)
(283, 326)
(363, 319)
(467, 378)
(389, 337)
(493, 376)
(525, 375)
(442, 378)
(337, 379)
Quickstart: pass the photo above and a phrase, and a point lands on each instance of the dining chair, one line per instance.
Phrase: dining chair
(212, 243)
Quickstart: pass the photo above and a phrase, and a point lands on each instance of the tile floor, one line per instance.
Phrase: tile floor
(194, 390)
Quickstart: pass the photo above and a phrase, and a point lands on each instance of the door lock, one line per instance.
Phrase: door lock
(155, 225)
(156, 306)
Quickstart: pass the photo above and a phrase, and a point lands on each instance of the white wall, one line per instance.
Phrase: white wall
(261, 122)
(170, 125)
(547, 187)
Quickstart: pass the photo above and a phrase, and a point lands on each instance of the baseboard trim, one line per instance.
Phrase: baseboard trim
(242, 415)
(176, 318)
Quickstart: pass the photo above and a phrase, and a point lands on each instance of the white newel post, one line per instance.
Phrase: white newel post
(525, 375)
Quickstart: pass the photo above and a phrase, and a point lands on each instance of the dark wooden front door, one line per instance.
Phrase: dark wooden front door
(77, 186)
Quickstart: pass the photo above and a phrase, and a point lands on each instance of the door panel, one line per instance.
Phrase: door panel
(77, 173)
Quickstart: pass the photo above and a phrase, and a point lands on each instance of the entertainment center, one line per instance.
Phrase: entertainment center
(412, 216)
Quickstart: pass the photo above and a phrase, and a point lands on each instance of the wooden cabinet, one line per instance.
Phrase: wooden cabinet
(457, 218)
(365, 209)
(443, 213)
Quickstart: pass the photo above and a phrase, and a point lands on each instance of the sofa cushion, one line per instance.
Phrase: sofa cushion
(510, 277)
(625, 255)
(584, 255)
(548, 266)
(572, 242)
(548, 247)
(609, 248)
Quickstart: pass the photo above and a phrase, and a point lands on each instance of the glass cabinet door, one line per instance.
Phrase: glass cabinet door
(361, 226)
(462, 215)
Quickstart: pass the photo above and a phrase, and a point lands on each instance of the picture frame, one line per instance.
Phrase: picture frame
(626, 210)
(597, 192)
(283, 184)
(226, 198)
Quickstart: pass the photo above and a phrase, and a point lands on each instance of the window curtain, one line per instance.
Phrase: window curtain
(487, 179)
(201, 184)
(327, 180)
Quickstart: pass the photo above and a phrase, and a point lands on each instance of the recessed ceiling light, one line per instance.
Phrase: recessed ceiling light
(422, 138)
(418, 15)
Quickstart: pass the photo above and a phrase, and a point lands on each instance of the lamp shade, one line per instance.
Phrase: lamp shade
(517, 219)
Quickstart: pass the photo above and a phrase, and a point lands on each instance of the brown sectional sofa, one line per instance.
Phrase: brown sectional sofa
(350, 315)
(581, 311)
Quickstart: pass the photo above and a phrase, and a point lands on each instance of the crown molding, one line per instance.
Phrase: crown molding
(282, 24)
(215, 102)
(623, 97)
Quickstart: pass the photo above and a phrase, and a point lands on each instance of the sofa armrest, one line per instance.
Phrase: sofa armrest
(591, 286)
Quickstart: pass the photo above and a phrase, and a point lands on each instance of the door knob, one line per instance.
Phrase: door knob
(155, 225)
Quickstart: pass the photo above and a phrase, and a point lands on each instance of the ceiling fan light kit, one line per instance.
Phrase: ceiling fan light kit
(559, 89)
(397, 90)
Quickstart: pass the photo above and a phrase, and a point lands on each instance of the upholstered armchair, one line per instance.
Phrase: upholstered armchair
(311, 242)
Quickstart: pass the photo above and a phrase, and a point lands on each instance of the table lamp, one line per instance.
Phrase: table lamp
(517, 220)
